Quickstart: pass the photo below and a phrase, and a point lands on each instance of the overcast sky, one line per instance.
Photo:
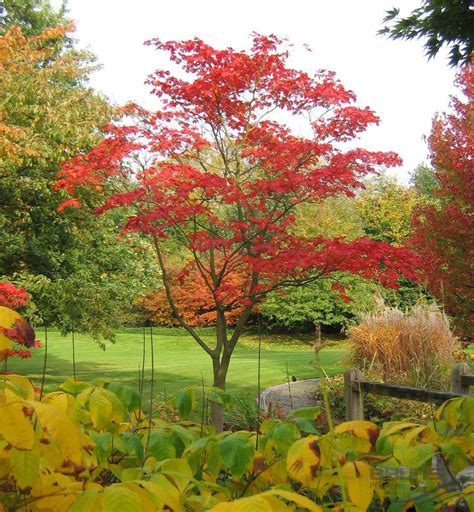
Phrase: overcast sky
(393, 77)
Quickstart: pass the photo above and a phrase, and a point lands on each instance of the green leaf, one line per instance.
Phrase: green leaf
(133, 442)
(237, 452)
(305, 412)
(85, 502)
(25, 467)
(103, 446)
(305, 425)
(283, 434)
(127, 395)
(178, 470)
(75, 386)
(457, 459)
(424, 503)
(219, 396)
(161, 445)
(467, 408)
(416, 456)
(130, 474)
(383, 446)
(184, 400)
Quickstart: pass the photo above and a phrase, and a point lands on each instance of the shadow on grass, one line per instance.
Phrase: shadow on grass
(175, 370)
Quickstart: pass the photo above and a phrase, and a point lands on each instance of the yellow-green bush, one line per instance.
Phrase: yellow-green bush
(88, 447)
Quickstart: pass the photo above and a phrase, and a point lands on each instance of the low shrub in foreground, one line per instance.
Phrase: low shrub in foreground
(90, 447)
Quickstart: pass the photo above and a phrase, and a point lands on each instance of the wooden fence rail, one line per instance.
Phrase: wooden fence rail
(355, 386)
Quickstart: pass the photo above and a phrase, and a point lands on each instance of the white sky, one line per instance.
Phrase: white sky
(393, 77)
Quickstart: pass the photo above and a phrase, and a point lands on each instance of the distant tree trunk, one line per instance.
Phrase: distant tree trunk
(317, 332)
(317, 337)
(220, 367)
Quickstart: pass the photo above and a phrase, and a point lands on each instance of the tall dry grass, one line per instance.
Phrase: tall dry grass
(414, 348)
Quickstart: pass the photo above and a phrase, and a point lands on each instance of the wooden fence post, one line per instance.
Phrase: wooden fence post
(457, 386)
(353, 398)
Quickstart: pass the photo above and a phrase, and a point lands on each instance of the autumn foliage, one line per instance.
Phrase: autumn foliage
(443, 232)
(16, 335)
(216, 175)
(193, 299)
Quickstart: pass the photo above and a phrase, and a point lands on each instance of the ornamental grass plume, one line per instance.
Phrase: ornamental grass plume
(413, 348)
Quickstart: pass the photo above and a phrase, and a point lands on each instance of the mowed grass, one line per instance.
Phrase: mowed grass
(178, 361)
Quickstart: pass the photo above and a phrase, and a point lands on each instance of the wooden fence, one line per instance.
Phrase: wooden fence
(355, 386)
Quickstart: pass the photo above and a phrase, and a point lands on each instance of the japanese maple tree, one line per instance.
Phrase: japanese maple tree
(216, 175)
(193, 299)
(444, 230)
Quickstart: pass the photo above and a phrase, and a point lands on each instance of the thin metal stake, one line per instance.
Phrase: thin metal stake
(45, 360)
(73, 353)
(259, 379)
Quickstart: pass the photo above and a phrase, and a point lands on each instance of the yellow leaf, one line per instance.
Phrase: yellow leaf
(394, 427)
(63, 431)
(120, 498)
(299, 500)
(360, 429)
(303, 459)
(104, 407)
(7, 318)
(49, 483)
(87, 501)
(164, 492)
(156, 496)
(267, 502)
(357, 477)
(252, 504)
(23, 383)
(100, 408)
(323, 483)
(15, 427)
(61, 400)
(5, 345)
(178, 470)
(59, 498)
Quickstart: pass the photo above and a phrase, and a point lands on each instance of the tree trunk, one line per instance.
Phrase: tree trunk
(220, 368)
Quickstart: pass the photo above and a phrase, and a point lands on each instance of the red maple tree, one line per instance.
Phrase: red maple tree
(193, 299)
(444, 231)
(221, 175)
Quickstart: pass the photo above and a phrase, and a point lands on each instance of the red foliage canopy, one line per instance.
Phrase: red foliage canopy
(220, 174)
(11, 296)
(444, 233)
(12, 325)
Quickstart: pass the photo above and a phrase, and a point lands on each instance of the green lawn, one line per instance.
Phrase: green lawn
(179, 362)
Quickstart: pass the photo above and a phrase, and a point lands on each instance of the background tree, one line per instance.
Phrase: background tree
(385, 208)
(31, 16)
(322, 303)
(440, 22)
(443, 231)
(424, 181)
(48, 115)
(223, 177)
(318, 304)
